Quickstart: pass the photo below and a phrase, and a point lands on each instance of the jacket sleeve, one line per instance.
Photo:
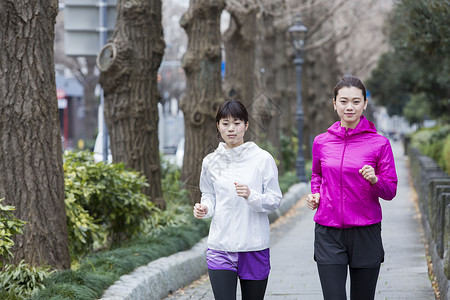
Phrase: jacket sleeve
(386, 186)
(207, 189)
(316, 175)
(270, 199)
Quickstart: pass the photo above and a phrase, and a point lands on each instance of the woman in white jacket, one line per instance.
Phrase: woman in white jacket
(239, 185)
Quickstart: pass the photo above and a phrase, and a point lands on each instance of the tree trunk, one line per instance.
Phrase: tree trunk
(31, 151)
(203, 96)
(129, 66)
(240, 79)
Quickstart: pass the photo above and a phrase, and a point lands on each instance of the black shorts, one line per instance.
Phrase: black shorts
(358, 247)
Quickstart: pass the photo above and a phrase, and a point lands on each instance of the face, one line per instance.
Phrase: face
(349, 105)
(232, 131)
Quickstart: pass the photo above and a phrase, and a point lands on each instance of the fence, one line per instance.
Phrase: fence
(433, 191)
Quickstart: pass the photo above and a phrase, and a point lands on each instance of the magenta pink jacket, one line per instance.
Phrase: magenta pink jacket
(346, 198)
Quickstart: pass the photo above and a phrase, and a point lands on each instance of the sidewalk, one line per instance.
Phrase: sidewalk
(403, 275)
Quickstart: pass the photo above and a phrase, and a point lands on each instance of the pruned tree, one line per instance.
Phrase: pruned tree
(240, 43)
(129, 65)
(202, 65)
(31, 151)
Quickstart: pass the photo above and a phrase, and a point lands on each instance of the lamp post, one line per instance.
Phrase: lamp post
(298, 34)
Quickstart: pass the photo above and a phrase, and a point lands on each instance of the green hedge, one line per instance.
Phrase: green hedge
(435, 143)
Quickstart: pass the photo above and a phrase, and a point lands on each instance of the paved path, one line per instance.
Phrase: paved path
(403, 275)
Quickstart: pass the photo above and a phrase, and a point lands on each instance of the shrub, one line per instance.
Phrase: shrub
(9, 227)
(446, 154)
(178, 211)
(289, 148)
(269, 147)
(308, 169)
(171, 183)
(102, 201)
(432, 142)
(22, 281)
(286, 180)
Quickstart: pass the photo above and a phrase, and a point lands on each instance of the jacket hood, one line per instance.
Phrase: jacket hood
(364, 125)
(236, 154)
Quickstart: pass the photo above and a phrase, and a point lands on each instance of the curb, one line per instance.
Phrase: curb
(165, 275)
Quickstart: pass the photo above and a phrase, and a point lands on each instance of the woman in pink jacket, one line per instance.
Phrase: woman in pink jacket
(353, 166)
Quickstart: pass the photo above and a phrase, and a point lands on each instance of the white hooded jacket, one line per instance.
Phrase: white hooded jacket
(239, 224)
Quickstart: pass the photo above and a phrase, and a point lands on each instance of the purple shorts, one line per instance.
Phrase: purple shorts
(253, 265)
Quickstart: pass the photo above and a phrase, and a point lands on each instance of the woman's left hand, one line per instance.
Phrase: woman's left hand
(242, 190)
(368, 173)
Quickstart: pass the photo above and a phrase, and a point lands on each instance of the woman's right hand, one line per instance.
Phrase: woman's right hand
(312, 200)
(200, 210)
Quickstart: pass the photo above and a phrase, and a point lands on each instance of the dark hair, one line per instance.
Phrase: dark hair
(349, 81)
(234, 109)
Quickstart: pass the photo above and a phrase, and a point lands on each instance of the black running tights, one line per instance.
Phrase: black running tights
(224, 284)
(363, 282)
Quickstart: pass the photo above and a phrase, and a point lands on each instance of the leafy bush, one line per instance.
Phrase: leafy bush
(172, 186)
(308, 169)
(446, 154)
(289, 178)
(179, 211)
(286, 180)
(269, 147)
(9, 227)
(22, 281)
(289, 148)
(433, 142)
(82, 229)
(102, 200)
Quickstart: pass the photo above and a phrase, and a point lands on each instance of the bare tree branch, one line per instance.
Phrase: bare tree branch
(316, 26)
(333, 36)
(287, 18)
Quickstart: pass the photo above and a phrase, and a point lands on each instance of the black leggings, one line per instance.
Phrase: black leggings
(224, 284)
(363, 282)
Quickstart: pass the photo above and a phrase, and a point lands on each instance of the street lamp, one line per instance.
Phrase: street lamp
(298, 34)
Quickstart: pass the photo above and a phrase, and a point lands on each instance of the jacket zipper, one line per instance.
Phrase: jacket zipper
(342, 179)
